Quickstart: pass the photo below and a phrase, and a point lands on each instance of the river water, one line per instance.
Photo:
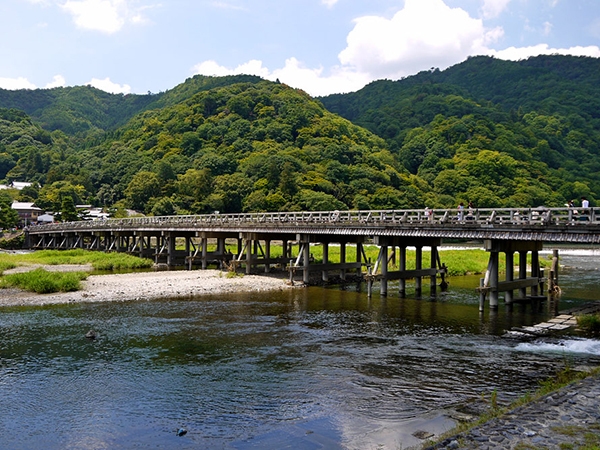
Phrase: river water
(306, 368)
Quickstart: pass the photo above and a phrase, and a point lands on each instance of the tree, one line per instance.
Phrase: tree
(163, 207)
(68, 212)
(8, 217)
(142, 188)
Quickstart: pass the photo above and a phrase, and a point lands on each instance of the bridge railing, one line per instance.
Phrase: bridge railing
(373, 218)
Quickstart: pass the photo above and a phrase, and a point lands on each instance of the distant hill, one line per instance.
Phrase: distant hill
(543, 112)
(497, 133)
(82, 108)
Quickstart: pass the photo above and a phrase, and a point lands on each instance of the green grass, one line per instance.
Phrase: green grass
(43, 282)
(589, 323)
(5, 265)
(98, 260)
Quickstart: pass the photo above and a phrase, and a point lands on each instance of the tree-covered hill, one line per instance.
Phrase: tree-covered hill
(81, 109)
(543, 114)
(497, 133)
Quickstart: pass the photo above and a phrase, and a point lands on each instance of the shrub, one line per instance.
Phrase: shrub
(43, 282)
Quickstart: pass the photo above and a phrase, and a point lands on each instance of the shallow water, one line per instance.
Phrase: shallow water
(307, 368)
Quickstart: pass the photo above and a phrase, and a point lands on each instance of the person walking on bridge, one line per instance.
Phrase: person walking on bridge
(585, 204)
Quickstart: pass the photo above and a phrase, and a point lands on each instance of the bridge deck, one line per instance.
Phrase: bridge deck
(568, 225)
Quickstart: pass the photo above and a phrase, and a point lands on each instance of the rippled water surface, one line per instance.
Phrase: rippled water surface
(307, 368)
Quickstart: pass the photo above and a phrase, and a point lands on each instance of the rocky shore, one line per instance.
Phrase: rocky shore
(566, 419)
(147, 286)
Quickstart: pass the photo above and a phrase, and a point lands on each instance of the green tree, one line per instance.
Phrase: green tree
(142, 188)
(8, 217)
(68, 212)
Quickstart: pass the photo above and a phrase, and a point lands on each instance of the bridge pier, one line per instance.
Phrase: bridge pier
(491, 284)
(382, 273)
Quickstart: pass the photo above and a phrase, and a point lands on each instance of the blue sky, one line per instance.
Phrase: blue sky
(320, 46)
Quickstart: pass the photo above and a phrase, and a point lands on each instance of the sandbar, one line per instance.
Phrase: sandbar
(148, 286)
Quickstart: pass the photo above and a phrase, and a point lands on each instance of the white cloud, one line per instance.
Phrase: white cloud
(13, 84)
(424, 34)
(98, 15)
(329, 3)
(57, 81)
(108, 86)
(493, 8)
(107, 16)
(23, 83)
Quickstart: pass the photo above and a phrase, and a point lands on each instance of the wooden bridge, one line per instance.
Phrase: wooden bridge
(200, 240)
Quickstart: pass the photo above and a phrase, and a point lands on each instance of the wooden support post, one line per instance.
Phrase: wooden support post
(240, 246)
(325, 274)
(267, 255)
(249, 247)
(535, 271)
(204, 258)
(418, 266)
(306, 262)
(523, 272)
(433, 278)
(171, 239)
(402, 268)
(510, 268)
(188, 250)
(359, 252)
(493, 283)
(384, 271)
(343, 260)
(284, 248)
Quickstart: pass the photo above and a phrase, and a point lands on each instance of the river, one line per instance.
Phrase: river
(306, 368)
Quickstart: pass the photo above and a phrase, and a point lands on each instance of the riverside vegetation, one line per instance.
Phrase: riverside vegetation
(42, 281)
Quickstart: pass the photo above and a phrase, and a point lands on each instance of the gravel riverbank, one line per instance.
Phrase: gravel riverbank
(147, 286)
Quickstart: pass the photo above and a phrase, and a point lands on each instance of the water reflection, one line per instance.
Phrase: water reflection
(316, 367)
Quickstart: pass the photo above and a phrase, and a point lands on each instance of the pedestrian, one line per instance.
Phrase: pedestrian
(585, 204)
(470, 212)
(461, 211)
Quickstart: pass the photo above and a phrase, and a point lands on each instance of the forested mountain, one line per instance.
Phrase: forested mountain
(493, 132)
(497, 132)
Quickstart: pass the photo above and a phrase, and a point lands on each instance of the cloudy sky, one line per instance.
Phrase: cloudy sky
(321, 46)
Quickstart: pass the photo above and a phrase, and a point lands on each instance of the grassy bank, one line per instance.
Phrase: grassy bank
(45, 282)
(41, 281)
(98, 260)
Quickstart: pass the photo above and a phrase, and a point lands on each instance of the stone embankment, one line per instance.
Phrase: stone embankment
(565, 419)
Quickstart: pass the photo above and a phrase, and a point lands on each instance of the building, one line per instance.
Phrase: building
(28, 213)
